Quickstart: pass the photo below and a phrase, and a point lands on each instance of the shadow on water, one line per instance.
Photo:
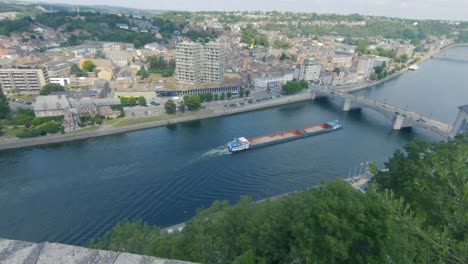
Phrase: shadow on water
(172, 127)
(192, 124)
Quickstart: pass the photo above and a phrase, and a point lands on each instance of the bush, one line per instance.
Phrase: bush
(29, 133)
(51, 127)
(42, 120)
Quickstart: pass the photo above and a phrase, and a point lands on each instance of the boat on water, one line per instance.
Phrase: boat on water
(414, 67)
(242, 143)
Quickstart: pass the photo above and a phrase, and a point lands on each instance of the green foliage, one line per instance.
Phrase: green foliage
(201, 36)
(42, 120)
(281, 44)
(241, 93)
(373, 168)
(4, 105)
(433, 179)
(99, 55)
(23, 117)
(293, 87)
(247, 93)
(373, 76)
(170, 107)
(192, 102)
(2, 130)
(51, 87)
(330, 224)
(157, 64)
(51, 127)
(142, 101)
(88, 66)
(14, 26)
(129, 101)
(208, 97)
(77, 71)
(222, 97)
(142, 72)
(250, 35)
(87, 120)
(31, 132)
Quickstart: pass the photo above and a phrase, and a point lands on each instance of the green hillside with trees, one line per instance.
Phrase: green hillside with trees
(416, 212)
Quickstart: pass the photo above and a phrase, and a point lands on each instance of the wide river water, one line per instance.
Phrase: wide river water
(73, 192)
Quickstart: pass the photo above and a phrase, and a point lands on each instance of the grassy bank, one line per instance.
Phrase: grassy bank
(128, 121)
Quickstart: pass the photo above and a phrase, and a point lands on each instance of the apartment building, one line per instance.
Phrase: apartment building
(189, 63)
(213, 63)
(23, 79)
(309, 71)
(197, 63)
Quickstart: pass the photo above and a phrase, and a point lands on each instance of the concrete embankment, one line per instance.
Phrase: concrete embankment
(105, 131)
(14, 251)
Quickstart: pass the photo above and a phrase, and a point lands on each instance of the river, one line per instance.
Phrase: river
(73, 192)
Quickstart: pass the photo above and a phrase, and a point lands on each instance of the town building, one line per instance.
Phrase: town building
(213, 63)
(309, 71)
(61, 81)
(23, 79)
(197, 63)
(189, 63)
(365, 65)
(272, 81)
(59, 69)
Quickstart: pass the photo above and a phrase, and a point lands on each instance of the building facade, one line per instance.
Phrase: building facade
(213, 63)
(23, 80)
(309, 71)
(271, 81)
(197, 63)
(189, 62)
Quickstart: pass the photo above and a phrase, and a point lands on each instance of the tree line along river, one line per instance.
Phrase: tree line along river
(73, 192)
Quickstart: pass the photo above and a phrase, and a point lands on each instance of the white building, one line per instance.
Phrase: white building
(366, 64)
(271, 81)
(61, 81)
(23, 79)
(309, 71)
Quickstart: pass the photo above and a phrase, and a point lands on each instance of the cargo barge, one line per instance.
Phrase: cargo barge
(242, 143)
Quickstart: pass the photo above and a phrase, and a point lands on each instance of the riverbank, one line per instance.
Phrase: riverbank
(112, 130)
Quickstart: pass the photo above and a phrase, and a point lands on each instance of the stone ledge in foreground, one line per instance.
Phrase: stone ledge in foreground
(22, 252)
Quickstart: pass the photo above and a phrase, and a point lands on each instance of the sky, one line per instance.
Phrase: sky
(418, 9)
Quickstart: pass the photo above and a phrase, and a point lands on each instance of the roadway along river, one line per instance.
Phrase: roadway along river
(74, 192)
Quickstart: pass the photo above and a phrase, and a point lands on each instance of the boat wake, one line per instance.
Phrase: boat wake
(215, 152)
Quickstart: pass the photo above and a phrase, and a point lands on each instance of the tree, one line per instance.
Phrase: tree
(223, 96)
(99, 55)
(142, 101)
(170, 107)
(432, 178)
(293, 87)
(51, 87)
(241, 93)
(373, 76)
(75, 70)
(142, 72)
(216, 97)
(2, 130)
(88, 66)
(247, 93)
(229, 95)
(182, 106)
(192, 102)
(4, 105)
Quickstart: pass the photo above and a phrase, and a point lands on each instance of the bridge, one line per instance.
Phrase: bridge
(401, 117)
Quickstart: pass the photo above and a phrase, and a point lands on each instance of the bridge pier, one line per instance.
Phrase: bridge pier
(314, 94)
(347, 105)
(398, 122)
